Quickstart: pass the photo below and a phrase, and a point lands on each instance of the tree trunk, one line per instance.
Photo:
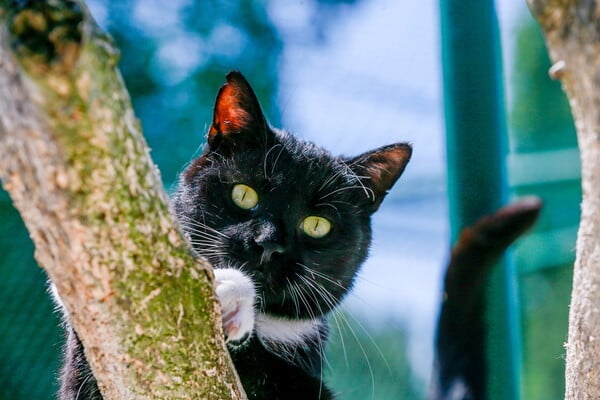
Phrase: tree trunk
(75, 163)
(572, 31)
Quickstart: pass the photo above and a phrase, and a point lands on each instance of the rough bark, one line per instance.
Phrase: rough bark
(75, 163)
(572, 31)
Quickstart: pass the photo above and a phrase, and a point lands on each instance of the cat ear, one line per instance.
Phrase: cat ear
(380, 169)
(237, 117)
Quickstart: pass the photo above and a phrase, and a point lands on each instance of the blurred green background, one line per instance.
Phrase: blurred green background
(543, 160)
(174, 55)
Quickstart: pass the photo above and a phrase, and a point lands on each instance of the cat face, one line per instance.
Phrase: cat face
(287, 213)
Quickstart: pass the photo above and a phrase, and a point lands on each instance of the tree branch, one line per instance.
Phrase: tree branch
(572, 31)
(75, 163)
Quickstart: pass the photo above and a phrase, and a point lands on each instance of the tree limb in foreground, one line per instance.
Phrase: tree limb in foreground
(75, 163)
(572, 32)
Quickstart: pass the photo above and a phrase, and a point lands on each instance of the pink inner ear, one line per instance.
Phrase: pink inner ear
(229, 116)
(387, 166)
(382, 177)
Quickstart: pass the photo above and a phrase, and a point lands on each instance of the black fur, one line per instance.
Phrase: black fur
(266, 375)
(77, 381)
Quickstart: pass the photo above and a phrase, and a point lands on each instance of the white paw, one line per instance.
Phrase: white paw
(236, 294)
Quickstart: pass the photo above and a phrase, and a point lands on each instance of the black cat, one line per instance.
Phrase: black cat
(286, 226)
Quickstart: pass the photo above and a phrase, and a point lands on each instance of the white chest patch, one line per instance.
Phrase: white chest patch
(291, 339)
(287, 331)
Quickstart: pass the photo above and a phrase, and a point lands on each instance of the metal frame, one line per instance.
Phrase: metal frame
(476, 152)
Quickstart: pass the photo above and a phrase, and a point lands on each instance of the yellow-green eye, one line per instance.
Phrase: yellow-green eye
(315, 227)
(244, 196)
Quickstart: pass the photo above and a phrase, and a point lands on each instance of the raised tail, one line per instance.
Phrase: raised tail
(460, 369)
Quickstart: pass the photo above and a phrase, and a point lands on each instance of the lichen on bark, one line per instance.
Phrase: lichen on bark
(75, 163)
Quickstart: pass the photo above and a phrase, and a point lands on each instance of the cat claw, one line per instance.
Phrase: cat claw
(236, 294)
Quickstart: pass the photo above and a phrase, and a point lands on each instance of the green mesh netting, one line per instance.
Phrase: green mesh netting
(30, 334)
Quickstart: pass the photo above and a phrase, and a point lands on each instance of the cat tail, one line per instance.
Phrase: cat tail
(460, 363)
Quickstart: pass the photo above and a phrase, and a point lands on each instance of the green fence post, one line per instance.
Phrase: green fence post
(476, 150)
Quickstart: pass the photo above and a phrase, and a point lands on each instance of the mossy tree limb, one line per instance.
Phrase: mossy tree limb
(74, 161)
(572, 32)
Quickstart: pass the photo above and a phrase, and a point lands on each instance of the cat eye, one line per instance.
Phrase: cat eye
(244, 196)
(315, 227)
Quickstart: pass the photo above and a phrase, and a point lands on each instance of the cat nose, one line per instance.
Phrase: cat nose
(268, 239)
(269, 248)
